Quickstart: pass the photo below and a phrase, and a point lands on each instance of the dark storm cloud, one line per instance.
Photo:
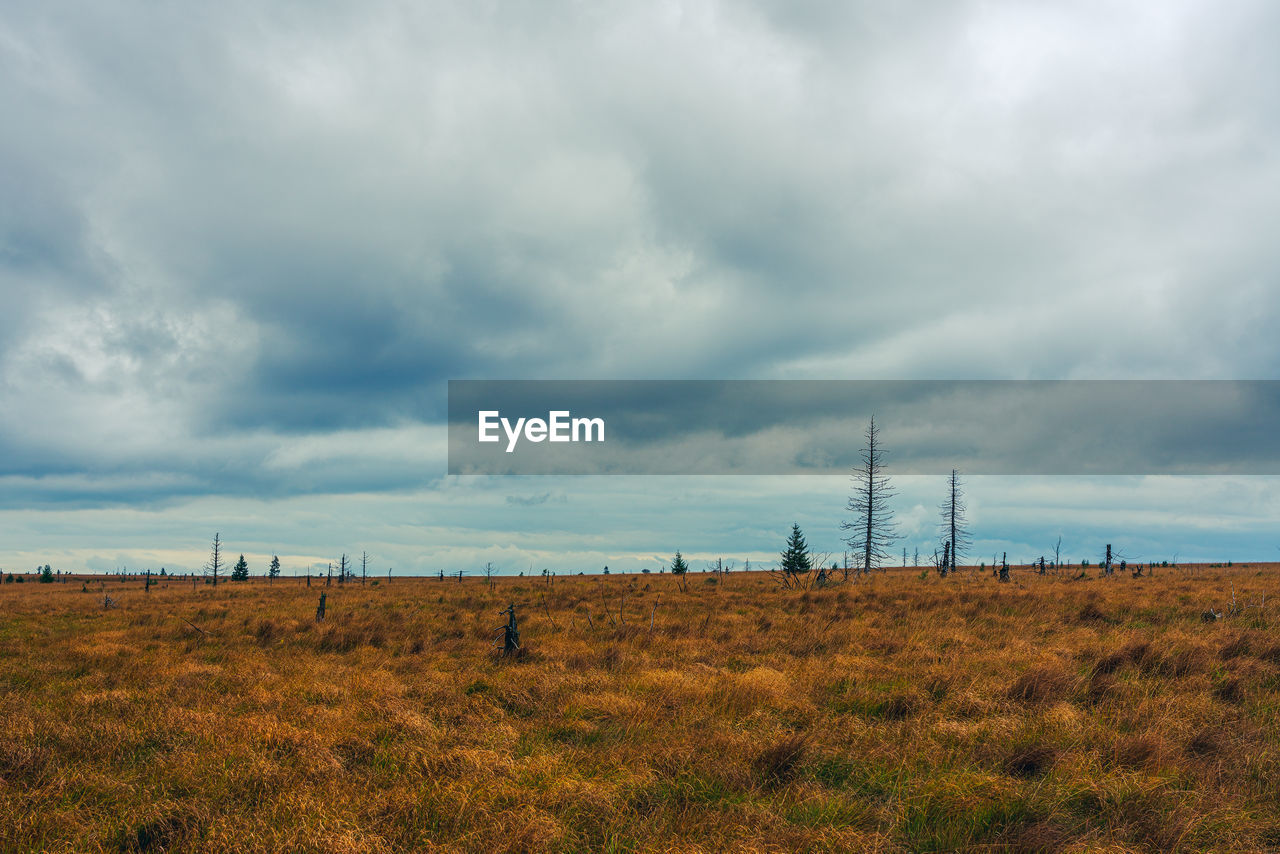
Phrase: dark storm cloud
(229, 232)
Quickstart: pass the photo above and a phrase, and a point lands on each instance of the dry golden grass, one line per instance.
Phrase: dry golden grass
(900, 713)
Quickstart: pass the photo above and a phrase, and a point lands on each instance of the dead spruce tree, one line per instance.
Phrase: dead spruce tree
(214, 566)
(953, 529)
(871, 530)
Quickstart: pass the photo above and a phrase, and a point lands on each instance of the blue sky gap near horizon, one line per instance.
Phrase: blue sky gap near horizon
(243, 248)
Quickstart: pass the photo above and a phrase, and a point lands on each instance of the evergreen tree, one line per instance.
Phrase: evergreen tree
(796, 559)
(240, 572)
(46, 575)
(678, 565)
(274, 570)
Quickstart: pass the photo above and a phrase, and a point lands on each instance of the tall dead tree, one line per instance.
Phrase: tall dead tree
(344, 569)
(364, 566)
(953, 529)
(871, 530)
(214, 566)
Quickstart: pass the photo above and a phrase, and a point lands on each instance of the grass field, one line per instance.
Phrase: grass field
(903, 712)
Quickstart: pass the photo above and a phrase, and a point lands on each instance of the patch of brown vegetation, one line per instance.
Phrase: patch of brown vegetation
(1042, 685)
(894, 713)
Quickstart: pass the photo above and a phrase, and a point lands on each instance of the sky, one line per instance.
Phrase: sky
(244, 246)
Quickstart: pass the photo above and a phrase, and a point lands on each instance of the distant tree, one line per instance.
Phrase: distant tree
(46, 575)
(871, 530)
(796, 559)
(679, 568)
(364, 566)
(954, 530)
(240, 572)
(214, 566)
(273, 571)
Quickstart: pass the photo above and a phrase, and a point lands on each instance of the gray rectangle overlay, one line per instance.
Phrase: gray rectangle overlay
(773, 427)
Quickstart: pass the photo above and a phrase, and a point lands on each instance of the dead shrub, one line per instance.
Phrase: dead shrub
(22, 762)
(170, 833)
(1040, 685)
(939, 686)
(1091, 613)
(1030, 760)
(611, 659)
(1102, 687)
(338, 639)
(1234, 648)
(1181, 660)
(267, 632)
(1209, 741)
(778, 762)
(1042, 837)
(1134, 652)
(1230, 691)
(897, 707)
(1137, 751)
(354, 753)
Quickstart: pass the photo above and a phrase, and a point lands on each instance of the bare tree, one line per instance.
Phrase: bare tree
(1057, 555)
(364, 566)
(954, 530)
(871, 531)
(214, 566)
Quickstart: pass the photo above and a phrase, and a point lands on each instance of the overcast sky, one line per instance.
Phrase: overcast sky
(243, 246)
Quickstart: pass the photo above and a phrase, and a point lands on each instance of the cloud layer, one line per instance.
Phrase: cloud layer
(243, 247)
